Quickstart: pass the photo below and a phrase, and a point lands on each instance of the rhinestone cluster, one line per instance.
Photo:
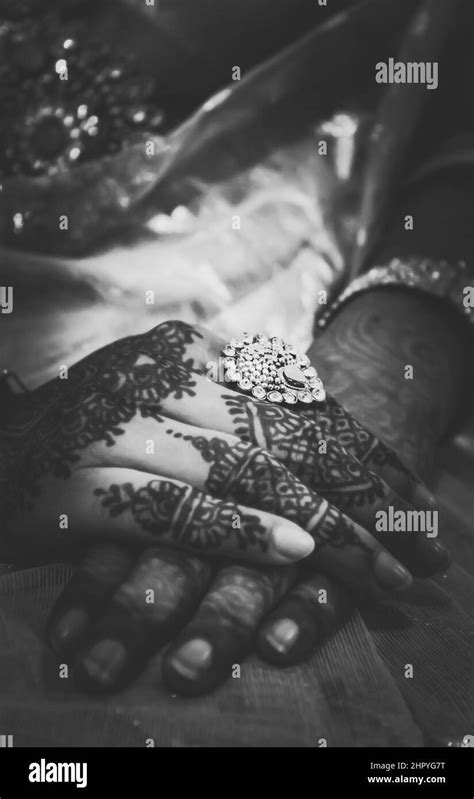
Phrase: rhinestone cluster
(271, 370)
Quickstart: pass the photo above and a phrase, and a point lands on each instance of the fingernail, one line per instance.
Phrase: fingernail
(104, 661)
(433, 555)
(68, 628)
(192, 658)
(390, 573)
(282, 635)
(291, 542)
(443, 554)
(423, 497)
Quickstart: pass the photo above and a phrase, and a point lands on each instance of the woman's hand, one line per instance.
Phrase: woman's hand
(120, 609)
(114, 644)
(139, 444)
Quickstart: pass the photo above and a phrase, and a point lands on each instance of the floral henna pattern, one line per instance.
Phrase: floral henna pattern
(102, 393)
(336, 422)
(298, 443)
(252, 476)
(337, 532)
(191, 519)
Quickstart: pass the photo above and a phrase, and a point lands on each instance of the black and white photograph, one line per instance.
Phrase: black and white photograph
(237, 388)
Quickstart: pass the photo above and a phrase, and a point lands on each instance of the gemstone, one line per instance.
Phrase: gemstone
(229, 363)
(289, 398)
(259, 392)
(139, 116)
(275, 396)
(319, 394)
(304, 396)
(233, 375)
(18, 221)
(74, 153)
(310, 372)
(228, 350)
(245, 384)
(293, 376)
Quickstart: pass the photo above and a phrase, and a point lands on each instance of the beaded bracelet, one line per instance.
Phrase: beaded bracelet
(451, 282)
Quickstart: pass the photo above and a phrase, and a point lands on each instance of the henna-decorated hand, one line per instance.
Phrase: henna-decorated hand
(69, 441)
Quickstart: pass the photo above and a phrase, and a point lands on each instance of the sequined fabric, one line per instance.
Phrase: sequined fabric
(67, 96)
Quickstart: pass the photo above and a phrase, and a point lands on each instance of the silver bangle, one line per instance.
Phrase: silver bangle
(438, 278)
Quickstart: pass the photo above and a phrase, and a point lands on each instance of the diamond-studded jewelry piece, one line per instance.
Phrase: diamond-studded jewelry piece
(269, 369)
(452, 282)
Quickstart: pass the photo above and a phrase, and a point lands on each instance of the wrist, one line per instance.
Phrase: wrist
(400, 362)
